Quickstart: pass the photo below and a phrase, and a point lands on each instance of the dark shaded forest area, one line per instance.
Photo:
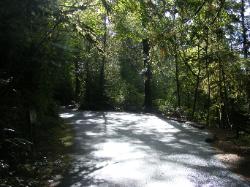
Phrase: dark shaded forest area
(183, 59)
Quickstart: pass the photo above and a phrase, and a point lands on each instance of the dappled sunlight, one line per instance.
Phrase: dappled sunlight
(113, 149)
(176, 145)
(90, 121)
(188, 159)
(80, 122)
(66, 115)
(119, 151)
(125, 149)
(179, 182)
(89, 133)
(123, 171)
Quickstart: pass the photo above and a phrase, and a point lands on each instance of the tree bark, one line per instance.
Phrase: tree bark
(148, 73)
(197, 84)
(224, 117)
(178, 98)
(87, 84)
(147, 67)
(87, 94)
(245, 41)
(103, 62)
(244, 29)
(208, 78)
(77, 81)
(177, 81)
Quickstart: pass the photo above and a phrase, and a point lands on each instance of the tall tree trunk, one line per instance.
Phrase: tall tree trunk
(177, 81)
(147, 83)
(178, 97)
(147, 67)
(77, 81)
(221, 101)
(87, 97)
(226, 103)
(208, 78)
(197, 83)
(224, 117)
(244, 29)
(103, 62)
(245, 41)
(87, 84)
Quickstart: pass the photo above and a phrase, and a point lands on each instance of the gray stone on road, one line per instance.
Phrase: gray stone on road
(141, 150)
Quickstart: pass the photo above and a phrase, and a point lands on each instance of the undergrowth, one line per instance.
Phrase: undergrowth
(45, 163)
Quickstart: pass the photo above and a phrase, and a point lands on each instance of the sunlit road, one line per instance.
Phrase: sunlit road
(124, 149)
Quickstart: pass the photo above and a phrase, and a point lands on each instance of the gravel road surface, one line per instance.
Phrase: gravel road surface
(118, 149)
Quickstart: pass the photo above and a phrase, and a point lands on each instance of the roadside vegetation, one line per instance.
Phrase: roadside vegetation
(22, 164)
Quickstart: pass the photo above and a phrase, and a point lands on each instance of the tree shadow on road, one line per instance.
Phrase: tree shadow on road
(106, 139)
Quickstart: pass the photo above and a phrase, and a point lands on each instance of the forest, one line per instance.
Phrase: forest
(183, 59)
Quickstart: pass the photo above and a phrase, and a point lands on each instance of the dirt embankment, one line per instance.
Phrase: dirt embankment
(232, 152)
